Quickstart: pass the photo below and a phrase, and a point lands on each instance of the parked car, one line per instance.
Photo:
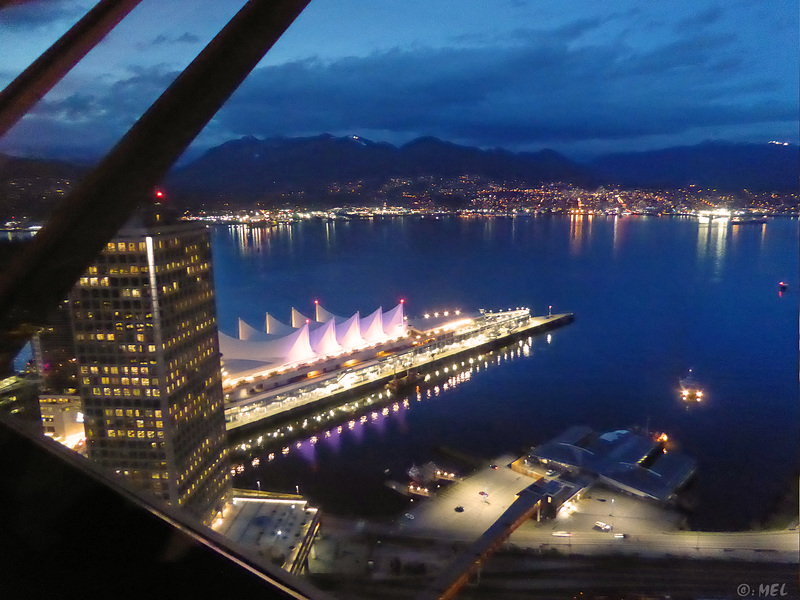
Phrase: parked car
(602, 526)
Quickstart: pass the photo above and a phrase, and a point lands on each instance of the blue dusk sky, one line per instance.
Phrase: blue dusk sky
(577, 76)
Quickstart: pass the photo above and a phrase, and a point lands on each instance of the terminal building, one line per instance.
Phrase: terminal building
(631, 463)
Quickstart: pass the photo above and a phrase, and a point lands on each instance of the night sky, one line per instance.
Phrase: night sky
(580, 77)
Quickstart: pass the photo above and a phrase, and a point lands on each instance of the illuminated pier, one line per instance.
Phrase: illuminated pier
(436, 346)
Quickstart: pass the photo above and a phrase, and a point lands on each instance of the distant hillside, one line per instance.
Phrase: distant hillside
(32, 186)
(249, 167)
(243, 170)
(721, 165)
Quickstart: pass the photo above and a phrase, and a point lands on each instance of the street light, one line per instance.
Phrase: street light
(612, 513)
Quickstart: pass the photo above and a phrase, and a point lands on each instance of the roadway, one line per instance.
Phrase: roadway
(510, 576)
(650, 529)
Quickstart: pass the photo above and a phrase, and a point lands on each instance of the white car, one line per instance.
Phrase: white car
(602, 526)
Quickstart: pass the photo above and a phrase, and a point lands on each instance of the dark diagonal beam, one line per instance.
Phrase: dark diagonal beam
(104, 200)
(34, 82)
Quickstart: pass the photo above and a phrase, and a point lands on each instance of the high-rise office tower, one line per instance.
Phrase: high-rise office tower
(144, 326)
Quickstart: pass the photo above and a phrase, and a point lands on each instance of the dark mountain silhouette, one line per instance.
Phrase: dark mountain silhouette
(249, 167)
(431, 156)
(721, 165)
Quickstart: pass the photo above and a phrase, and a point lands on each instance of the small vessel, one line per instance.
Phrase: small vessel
(690, 389)
(399, 383)
(783, 286)
(747, 220)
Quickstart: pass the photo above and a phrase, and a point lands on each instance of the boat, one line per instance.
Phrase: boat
(690, 389)
(747, 220)
(399, 383)
(783, 286)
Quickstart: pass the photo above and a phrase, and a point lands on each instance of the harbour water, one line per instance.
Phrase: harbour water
(653, 297)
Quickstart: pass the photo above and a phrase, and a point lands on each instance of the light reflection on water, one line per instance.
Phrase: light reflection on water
(373, 410)
(653, 296)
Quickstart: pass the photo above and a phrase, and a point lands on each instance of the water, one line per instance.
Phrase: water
(652, 296)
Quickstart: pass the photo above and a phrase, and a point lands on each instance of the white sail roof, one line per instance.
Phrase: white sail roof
(275, 327)
(280, 344)
(348, 333)
(248, 332)
(394, 324)
(323, 316)
(372, 327)
(323, 339)
(298, 318)
(288, 349)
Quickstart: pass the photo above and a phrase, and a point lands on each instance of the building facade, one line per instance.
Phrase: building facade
(62, 417)
(145, 334)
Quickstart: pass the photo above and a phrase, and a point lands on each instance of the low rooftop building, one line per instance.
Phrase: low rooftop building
(627, 461)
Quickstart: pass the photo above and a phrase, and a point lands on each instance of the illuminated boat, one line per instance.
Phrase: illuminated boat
(690, 389)
(747, 220)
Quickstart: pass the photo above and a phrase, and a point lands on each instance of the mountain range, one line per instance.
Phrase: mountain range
(248, 169)
(725, 166)
(248, 166)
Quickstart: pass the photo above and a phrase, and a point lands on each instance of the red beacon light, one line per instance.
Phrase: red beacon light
(402, 300)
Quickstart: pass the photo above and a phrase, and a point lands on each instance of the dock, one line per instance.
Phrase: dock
(493, 330)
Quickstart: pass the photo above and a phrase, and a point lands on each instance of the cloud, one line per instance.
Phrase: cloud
(530, 89)
(702, 18)
(91, 120)
(186, 38)
(38, 14)
(570, 30)
(76, 108)
(118, 102)
(539, 90)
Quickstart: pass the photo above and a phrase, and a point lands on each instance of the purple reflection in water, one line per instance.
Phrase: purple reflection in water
(356, 427)
(306, 449)
(378, 421)
(333, 438)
